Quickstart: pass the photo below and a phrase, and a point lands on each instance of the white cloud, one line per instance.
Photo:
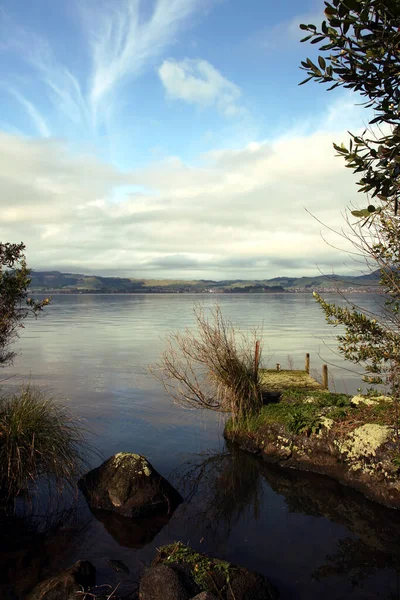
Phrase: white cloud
(197, 82)
(236, 213)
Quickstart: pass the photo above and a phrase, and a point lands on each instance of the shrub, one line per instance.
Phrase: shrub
(214, 368)
(39, 441)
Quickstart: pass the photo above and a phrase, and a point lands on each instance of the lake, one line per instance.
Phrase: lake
(310, 536)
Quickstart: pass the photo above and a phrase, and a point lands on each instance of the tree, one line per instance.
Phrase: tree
(361, 43)
(15, 303)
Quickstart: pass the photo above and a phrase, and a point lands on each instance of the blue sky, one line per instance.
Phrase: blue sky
(168, 138)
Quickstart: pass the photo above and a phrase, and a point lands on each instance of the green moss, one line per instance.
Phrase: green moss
(203, 568)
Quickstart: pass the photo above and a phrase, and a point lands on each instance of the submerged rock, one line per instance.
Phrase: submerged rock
(80, 577)
(180, 573)
(128, 485)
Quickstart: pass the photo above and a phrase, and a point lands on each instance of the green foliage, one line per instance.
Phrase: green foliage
(39, 440)
(15, 304)
(360, 41)
(360, 45)
(317, 397)
(202, 567)
(303, 420)
(296, 418)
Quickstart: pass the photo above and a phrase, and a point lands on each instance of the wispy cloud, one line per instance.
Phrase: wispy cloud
(198, 82)
(122, 43)
(122, 38)
(37, 118)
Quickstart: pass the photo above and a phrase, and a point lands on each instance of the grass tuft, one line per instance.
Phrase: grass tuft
(39, 440)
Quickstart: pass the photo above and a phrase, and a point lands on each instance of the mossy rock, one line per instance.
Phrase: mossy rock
(127, 484)
(205, 574)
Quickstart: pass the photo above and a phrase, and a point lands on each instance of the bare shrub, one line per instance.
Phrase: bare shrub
(214, 367)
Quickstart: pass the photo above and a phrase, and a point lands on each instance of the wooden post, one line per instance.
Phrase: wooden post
(325, 376)
(307, 367)
(256, 360)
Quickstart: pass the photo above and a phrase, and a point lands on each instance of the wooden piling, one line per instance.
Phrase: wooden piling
(325, 376)
(307, 366)
(256, 359)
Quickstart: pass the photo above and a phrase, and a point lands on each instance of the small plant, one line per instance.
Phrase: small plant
(39, 441)
(303, 421)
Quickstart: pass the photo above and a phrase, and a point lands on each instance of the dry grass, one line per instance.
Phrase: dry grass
(39, 440)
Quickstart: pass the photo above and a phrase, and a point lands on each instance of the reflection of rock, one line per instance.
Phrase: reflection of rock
(128, 485)
(80, 577)
(180, 573)
(362, 458)
(132, 533)
(378, 527)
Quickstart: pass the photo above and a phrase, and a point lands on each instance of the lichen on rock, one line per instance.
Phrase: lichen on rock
(364, 441)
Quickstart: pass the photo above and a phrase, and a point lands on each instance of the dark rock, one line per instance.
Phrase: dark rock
(247, 585)
(128, 485)
(162, 583)
(81, 576)
(211, 576)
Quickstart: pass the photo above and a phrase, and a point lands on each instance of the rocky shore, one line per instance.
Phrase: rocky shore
(352, 439)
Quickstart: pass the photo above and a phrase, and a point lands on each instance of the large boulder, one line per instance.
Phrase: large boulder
(80, 577)
(128, 485)
(180, 573)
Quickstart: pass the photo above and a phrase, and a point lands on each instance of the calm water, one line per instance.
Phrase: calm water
(309, 535)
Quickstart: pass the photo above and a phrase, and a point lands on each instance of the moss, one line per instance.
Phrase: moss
(135, 461)
(204, 569)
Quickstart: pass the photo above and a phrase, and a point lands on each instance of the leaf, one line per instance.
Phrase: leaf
(321, 62)
(352, 4)
(361, 213)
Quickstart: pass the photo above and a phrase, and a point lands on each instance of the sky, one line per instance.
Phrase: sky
(170, 139)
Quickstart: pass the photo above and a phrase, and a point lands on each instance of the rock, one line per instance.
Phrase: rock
(80, 577)
(128, 485)
(212, 577)
(247, 585)
(162, 583)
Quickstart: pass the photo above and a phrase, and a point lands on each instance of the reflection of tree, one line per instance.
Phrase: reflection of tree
(229, 485)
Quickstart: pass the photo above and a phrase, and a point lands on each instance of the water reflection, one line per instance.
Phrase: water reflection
(132, 533)
(34, 547)
(233, 487)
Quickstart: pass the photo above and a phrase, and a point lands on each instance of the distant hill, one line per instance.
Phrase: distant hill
(55, 281)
